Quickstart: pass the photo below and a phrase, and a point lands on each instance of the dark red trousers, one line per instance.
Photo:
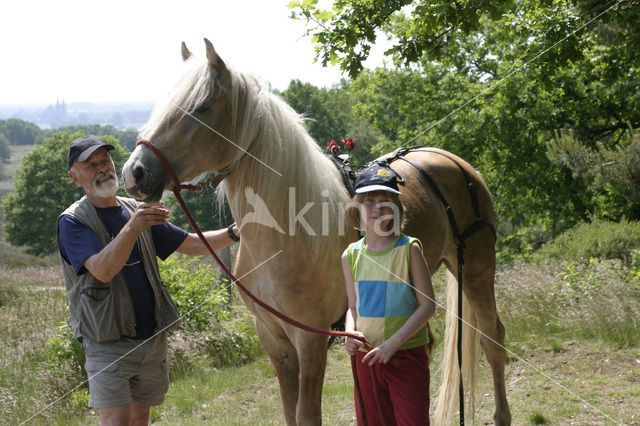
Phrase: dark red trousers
(403, 386)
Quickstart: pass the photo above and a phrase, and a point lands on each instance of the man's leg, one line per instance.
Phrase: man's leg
(115, 416)
(133, 414)
(139, 414)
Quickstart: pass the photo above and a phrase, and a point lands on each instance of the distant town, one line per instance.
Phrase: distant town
(122, 116)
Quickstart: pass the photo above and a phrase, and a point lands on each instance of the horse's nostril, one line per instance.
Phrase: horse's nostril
(138, 174)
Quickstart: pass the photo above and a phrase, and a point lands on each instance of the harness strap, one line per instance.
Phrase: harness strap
(472, 189)
(343, 164)
(444, 201)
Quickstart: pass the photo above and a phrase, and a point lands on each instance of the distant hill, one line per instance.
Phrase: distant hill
(122, 116)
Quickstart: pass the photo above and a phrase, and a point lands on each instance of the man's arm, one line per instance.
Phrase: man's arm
(219, 239)
(110, 260)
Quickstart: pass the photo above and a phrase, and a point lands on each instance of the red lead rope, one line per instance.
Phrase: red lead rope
(176, 191)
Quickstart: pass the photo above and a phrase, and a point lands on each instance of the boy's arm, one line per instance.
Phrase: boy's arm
(351, 345)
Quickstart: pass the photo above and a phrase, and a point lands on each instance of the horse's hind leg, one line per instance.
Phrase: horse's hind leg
(478, 282)
(284, 358)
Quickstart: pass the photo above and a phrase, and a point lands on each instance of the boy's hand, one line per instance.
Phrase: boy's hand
(352, 345)
(382, 353)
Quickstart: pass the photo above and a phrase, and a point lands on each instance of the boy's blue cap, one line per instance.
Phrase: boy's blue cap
(377, 178)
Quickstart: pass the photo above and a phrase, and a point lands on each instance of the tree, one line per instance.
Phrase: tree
(43, 190)
(611, 175)
(5, 152)
(329, 114)
(493, 82)
(127, 138)
(20, 132)
(421, 29)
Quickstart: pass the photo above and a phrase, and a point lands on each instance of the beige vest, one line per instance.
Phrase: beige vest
(103, 311)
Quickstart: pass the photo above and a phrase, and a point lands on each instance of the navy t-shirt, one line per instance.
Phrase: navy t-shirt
(78, 243)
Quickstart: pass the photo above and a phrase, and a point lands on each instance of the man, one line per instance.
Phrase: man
(119, 307)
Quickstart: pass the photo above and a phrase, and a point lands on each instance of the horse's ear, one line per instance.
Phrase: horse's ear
(212, 57)
(185, 52)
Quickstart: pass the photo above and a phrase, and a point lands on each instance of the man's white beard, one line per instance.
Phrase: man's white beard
(107, 188)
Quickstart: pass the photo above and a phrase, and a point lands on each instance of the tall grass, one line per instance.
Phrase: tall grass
(41, 370)
(558, 301)
(32, 308)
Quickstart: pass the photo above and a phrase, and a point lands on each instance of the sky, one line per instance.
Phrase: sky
(129, 51)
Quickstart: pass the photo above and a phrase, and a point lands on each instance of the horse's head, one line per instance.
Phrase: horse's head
(192, 128)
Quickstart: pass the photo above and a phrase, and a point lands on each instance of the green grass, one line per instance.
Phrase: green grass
(538, 419)
(11, 167)
(543, 380)
(32, 305)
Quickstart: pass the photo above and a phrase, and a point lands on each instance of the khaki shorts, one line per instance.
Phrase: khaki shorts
(127, 370)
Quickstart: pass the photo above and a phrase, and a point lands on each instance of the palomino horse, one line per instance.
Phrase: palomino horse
(289, 200)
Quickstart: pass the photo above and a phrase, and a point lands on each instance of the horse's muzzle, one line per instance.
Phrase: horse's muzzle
(137, 182)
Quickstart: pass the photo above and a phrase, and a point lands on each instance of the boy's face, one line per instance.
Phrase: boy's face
(378, 212)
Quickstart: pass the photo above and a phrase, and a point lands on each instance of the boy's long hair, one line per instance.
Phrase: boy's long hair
(355, 205)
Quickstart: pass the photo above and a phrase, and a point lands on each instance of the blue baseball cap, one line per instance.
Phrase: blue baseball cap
(377, 178)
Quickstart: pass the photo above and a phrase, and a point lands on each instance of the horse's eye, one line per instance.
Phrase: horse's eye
(203, 108)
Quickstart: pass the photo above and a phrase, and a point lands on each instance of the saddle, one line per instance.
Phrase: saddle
(343, 163)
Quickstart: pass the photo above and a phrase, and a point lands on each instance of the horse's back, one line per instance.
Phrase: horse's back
(427, 198)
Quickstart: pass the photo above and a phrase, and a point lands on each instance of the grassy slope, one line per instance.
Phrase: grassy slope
(10, 168)
(554, 375)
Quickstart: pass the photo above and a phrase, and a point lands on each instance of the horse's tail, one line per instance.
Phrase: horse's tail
(448, 400)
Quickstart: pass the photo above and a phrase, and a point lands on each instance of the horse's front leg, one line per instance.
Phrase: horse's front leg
(312, 358)
(284, 358)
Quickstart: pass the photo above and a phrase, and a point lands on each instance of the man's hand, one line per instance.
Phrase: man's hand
(110, 260)
(147, 215)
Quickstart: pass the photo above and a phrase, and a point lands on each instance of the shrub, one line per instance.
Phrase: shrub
(236, 343)
(598, 239)
(196, 290)
(634, 268)
(64, 348)
(232, 342)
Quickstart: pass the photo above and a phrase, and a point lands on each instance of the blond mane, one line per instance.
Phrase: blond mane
(271, 131)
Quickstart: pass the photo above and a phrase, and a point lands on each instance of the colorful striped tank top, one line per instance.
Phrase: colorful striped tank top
(385, 297)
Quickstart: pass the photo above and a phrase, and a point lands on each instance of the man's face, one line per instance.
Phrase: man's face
(96, 175)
